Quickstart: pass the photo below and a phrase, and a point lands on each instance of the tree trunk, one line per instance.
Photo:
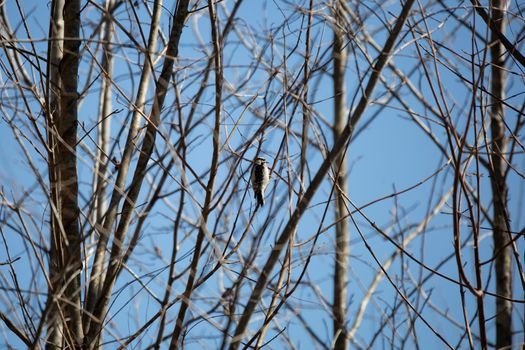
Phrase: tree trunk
(104, 120)
(341, 229)
(67, 169)
(55, 48)
(502, 245)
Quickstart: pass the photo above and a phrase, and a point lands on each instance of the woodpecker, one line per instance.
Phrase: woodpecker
(260, 179)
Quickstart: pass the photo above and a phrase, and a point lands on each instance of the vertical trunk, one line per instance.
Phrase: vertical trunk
(104, 125)
(103, 118)
(499, 187)
(67, 169)
(306, 112)
(56, 30)
(341, 229)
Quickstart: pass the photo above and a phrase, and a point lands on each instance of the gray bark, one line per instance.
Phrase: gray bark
(341, 229)
(502, 247)
(67, 173)
(56, 30)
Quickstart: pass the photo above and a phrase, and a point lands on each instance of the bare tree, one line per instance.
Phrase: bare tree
(128, 136)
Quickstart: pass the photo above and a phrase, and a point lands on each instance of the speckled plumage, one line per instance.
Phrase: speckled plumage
(260, 179)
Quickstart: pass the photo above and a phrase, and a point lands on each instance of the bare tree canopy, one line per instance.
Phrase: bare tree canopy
(136, 142)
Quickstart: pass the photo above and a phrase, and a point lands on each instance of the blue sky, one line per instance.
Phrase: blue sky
(391, 154)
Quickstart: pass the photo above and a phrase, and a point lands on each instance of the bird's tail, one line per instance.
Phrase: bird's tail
(260, 198)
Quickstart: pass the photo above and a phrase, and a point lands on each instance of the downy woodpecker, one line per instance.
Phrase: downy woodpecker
(260, 179)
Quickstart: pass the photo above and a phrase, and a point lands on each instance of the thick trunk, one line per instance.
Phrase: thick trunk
(55, 47)
(67, 169)
(499, 187)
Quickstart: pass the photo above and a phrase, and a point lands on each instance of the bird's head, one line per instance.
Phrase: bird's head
(260, 161)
